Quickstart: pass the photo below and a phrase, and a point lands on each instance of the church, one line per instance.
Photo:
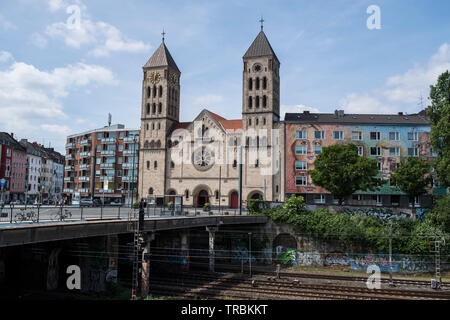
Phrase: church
(208, 159)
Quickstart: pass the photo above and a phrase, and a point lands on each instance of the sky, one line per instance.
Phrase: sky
(61, 75)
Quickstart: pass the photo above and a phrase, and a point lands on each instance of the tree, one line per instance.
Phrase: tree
(439, 115)
(341, 171)
(413, 178)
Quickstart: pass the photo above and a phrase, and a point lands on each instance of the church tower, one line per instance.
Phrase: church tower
(261, 110)
(160, 110)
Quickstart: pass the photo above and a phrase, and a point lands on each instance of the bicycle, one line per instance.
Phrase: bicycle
(59, 216)
(22, 216)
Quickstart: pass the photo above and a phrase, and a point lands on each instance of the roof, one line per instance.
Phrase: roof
(161, 58)
(112, 128)
(260, 47)
(7, 139)
(339, 117)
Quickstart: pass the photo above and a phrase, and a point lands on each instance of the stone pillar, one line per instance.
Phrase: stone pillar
(211, 231)
(112, 245)
(185, 250)
(145, 275)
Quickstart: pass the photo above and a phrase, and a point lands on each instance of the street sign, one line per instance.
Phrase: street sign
(2, 182)
(106, 185)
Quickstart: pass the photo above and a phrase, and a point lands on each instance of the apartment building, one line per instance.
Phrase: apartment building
(33, 172)
(12, 168)
(387, 138)
(106, 155)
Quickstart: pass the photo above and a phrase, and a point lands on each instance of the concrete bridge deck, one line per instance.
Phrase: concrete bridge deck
(22, 234)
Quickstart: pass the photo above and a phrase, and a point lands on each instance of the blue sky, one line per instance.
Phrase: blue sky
(56, 81)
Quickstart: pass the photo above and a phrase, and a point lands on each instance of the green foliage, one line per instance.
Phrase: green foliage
(440, 214)
(359, 232)
(342, 172)
(256, 207)
(439, 115)
(412, 177)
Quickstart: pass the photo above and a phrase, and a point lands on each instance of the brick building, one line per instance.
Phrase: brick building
(109, 153)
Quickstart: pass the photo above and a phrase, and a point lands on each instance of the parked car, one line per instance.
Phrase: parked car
(86, 203)
(116, 203)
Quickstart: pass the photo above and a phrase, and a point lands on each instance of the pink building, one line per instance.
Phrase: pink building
(13, 167)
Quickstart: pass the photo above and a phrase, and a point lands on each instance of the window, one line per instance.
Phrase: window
(319, 198)
(186, 194)
(379, 200)
(395, 200)
(300, 165)
(300, 150)
(257, 83)
(319, 135)
(394, 136)
(155, 164)
(257, 102)
(338, 135)
(120, 147)
(433, 153)
(250, 84)
(154, 108)
(121, 135)
(256, 121)
(148, 108)
(154, 91)
(317, 150)
(413, 152)
(375, 151)
(99, 135)
(159, 107)
(148, 165)
(250, 102)
(380, 166)
(412, 136)
(148, 92)
(264, 101)
(375, 135)
(264, 121)
(357, 197)
(300, 135)
(360, 151)
(356, 135)
(300, 181)
(264, 83)
(249, 122)
(150, 191)
(393, 152)
(160, 91)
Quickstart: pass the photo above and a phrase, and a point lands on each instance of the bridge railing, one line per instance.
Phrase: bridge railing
(49, 214)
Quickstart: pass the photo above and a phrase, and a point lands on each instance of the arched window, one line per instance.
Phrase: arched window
(257, 83)
(257, 142)
(264, 83)
(186, 194)
(172, 164)
(217, 195)
(249, 122)
(250, 102)
(159, 126)
(257, 102)
(154, 91)
(148, 108)
(234, 163)
(146, 144)
(148, 165)
(149, 91)
(264, 121)
(154, 108)
(153, 126)
(146, 126)
(159, 107)
(256, 121)
(158, 144)
(150, 191)
(152, 144)
(250, 84)
(264, 101)
(160, 91)
(155, 164)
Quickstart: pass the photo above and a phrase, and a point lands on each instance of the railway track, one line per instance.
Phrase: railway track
(199, 284)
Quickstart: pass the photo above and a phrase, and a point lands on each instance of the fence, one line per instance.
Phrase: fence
(48, 214)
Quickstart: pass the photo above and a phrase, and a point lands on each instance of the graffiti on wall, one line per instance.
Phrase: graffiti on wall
(382, 214)
(310, 259)
(96, 271)
(400, 263)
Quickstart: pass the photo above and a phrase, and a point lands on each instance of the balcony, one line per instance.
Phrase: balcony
(84, 166)
(109, 178)
(83, 179)
(105, 191)
(131, 139)
(68, 179)
(68, 168)
(84, 190)
(127, 165)
(127, 191)
(85, 142)
(68, 190)
(107, 165)
(69, 157)
(130, 151)
(129, 179)
(108, 153)
(108, 140)
(70, 145)
(85, 154)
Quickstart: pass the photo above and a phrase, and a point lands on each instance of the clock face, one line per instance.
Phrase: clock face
(155, 77)
(257, 67)
(203, 159)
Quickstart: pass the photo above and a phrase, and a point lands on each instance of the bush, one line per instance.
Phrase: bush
(440, 214)
(256, 207)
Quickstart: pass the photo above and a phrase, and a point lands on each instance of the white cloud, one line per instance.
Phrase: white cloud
(299, 108)
(401, 92)
(38, 40)
(30, 99)
(208, 100)
(102, 36)
(5, 56)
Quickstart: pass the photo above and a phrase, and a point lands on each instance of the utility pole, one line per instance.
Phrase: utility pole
(437, 255)
(137, 252)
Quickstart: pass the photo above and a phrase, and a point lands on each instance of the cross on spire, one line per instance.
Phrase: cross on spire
(163, 35)
(262, 22)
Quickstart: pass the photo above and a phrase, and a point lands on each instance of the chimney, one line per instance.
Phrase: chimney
(400, 113)
(336, 114)
(341, 113)
(306, 112)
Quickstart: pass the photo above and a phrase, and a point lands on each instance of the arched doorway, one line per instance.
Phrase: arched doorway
(256, 196)
(285, 249)
(172, 196)
(202, 198)
(234, 200)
